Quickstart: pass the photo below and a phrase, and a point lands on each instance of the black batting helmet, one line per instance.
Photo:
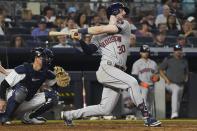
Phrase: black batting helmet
(145, 48)
(113, 9)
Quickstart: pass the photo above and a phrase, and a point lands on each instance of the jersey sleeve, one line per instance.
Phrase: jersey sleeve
(16, 75)
(95, 41)
(164, 64)
(155, 67)
(124, 27)
(135, 70)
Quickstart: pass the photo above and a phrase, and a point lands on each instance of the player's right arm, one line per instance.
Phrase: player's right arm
(162, 68)
(12, 79)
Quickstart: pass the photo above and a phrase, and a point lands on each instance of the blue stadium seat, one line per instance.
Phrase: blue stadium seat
(28, 25)
(171, 40)
(144, 40)
(27, 37)
(17, 30)
(192, 40)
(35, 44)
(4, 43)
(2, 38)
(43, 38)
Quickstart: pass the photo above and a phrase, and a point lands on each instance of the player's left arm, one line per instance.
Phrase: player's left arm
(59, 77)
(155, 76)
(186, 71)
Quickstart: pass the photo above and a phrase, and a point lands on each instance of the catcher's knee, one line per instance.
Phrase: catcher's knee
(20, 93)
(51, 97)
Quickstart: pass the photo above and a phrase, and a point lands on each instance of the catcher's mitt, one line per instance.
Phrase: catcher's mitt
(62, 77)
(155, 78)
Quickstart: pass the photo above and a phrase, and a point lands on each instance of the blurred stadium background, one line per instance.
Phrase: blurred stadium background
(19, 18)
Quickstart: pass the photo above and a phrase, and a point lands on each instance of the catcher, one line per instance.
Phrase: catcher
(24, 81)
(145, 70)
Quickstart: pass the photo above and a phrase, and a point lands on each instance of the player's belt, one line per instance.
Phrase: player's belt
(119, 67)
(115, 65)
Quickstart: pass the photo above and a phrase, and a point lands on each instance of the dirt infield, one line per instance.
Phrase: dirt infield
(118, 125)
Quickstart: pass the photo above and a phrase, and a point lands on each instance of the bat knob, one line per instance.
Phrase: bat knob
(76, 34)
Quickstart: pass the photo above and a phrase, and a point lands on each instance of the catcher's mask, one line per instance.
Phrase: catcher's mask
(114, 9)
(145, 48)
(46, 54)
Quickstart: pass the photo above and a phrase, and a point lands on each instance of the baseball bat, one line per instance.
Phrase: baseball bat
(56, 33)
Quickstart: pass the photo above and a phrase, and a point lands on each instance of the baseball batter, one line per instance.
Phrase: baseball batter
(145, 68)
(112, 41)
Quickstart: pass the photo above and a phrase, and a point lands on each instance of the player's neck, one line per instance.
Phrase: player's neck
(145, 59)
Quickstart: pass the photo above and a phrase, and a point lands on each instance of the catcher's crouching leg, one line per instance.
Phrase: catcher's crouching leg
(33, 117)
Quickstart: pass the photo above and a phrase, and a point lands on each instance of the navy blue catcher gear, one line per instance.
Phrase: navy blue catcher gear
(145, 48)
(114, 9)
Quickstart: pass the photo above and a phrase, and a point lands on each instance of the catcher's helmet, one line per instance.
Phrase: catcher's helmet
(46, 53)
(177, 47)
(113, 9)
(145, 48)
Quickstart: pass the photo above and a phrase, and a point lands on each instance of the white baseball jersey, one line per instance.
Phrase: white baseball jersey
(144, 69)
(114, 47)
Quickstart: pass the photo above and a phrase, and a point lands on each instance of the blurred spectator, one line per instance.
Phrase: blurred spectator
(59, 22)
(171, 22)
(172, 25)
(72, 12)
(162, 18)
(26, 15)
(187, 29)
(181, 40)
(82, 20)
(132, 41)
(96, 20)
(162, 28)
(144, 30)
(176, 9)
(159, 40)
(174, 71)
(150, 18)
(49, 14)
(102, 14)
(3, 25)
(160, 7)
(70, 25)
(17, 42)
(188, 7)
(41, 29)
(192, 20)
(63, 43)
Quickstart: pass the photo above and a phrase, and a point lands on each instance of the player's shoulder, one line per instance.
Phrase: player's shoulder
(137, 62)
(152, 61)
(22, 69)
(124, 23)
